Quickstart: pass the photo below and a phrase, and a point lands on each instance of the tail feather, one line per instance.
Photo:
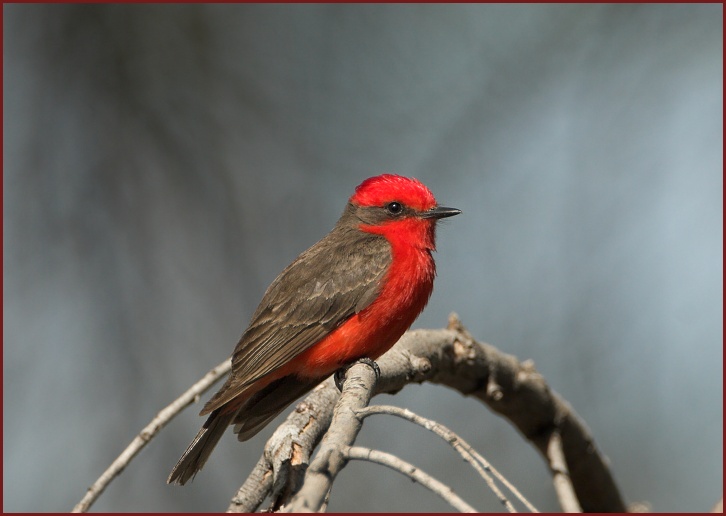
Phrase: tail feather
(250, 427)
(200, 448)
(251, 417)
(265, 405)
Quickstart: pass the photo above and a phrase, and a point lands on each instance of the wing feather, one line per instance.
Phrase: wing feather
(327, 284)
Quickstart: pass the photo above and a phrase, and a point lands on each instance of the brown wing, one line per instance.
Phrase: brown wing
(336, 278)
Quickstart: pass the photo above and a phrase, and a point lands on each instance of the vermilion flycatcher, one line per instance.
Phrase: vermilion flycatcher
(350, 296)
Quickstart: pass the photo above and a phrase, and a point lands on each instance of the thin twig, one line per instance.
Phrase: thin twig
(468, 453)
(504, 481)
(148, 433)
(411, 471)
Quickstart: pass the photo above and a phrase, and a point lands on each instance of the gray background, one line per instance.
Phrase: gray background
(163, 163)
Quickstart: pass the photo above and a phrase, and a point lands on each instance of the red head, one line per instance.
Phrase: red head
(380, 190)
(400, 208)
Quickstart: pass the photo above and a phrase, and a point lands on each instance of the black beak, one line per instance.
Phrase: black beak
(440, 212)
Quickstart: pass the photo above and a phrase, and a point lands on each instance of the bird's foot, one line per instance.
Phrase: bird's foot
(339, 375)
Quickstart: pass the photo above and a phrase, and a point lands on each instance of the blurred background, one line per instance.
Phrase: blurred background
(162, 163)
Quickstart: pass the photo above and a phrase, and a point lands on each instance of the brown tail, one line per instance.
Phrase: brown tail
(200, 448)
(265, 405)
(249, 419)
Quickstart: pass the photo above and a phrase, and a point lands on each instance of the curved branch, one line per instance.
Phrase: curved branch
(510, 388)
(149, 432)
(448, 357)
(467, 452)
(411, 471)
(513, 389)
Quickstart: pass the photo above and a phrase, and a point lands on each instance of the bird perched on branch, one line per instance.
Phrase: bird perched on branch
(350, 296)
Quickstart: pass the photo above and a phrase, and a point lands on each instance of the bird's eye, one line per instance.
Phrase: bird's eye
(394, 208)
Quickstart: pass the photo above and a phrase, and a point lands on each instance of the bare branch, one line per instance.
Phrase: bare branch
(448, 357)
(467, 452)
(515, 390)
(344, 427)
(560, 475)
(411, 471)
(148, 433)
(281, 469)
(512, 389)
(255, 489)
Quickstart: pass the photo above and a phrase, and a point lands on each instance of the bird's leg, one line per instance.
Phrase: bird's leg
(339, 375)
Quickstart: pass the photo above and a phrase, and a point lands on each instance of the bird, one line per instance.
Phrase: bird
(350, 296)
